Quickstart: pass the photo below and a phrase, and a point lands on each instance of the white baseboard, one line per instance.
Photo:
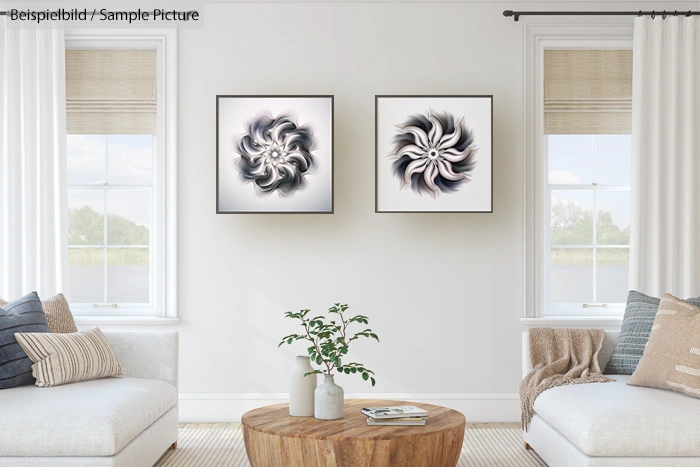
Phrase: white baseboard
(209, 407)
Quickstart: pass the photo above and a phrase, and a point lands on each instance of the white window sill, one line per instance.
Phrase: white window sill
(85, 321)
(609, 323)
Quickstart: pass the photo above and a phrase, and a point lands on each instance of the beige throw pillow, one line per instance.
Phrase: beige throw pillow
(68, 358)
(671, 358)
(57, 312)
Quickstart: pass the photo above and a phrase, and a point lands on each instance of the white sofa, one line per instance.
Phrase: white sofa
(127, 421)
(613, 424)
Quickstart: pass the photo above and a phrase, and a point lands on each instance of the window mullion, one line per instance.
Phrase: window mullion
(104, 241)
(151, 234)
(595, 223)
(548, 246)
(571, 247)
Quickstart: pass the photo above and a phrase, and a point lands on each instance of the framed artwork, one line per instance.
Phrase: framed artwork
(434, 153)
(274, 154)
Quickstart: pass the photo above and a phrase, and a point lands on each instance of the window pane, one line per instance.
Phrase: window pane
(612, 275)
(571, 275)
(570, 159)
(86, 159)
(572, 217)
(129, 217)
(86, 275)
(85, 217)
(613, 159)
(128, 275)
(130, 159)
(613, 219)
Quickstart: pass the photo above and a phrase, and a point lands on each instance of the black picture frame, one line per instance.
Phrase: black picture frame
(331, 158)
(377, 99)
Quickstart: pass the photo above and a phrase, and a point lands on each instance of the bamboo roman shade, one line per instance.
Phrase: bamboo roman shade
(587, 91)
(111, 91)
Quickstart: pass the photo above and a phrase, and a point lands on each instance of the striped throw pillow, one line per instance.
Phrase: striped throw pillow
(69, 358)
(23, 315)
(58, 313)
(671, 359)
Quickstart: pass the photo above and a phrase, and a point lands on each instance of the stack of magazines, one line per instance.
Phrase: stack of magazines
(403, 415)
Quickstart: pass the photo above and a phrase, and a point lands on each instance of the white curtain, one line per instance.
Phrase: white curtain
(33, 204)
(665, 228)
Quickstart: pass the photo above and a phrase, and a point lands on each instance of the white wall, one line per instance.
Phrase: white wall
(443, 291)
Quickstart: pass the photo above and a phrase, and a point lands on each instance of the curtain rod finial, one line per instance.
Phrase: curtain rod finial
(511, 13)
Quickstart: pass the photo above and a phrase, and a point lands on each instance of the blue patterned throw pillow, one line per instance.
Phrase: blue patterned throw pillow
(23, 315)
(634, 335)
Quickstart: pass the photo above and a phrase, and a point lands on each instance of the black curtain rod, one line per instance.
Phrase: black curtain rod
(517, 14)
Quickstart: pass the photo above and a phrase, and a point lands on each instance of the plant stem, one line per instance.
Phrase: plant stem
(345, 324)
(318, 351)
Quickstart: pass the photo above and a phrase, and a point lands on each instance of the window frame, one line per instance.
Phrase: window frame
(538, 38)
(163, 245)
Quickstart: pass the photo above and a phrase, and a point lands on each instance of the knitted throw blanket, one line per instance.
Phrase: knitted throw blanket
(560, 357)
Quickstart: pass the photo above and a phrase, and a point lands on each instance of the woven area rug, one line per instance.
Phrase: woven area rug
(219, 447)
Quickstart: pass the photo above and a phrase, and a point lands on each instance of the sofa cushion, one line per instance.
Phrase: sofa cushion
(91, 418)
(614, 419)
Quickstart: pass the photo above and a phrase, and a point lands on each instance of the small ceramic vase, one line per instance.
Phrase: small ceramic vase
(329, 401)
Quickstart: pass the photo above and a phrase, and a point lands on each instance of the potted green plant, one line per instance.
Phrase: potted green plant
(330, 342)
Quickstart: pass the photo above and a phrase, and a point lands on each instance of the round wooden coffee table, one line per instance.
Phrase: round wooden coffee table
(274, 439)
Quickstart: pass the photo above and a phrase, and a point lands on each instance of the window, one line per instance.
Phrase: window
(120, 173)
(578, 172)
(110, 219)
(588, 195)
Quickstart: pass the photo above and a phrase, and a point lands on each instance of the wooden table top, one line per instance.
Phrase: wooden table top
(275, 419)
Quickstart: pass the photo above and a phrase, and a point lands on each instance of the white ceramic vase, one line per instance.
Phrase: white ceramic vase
(329, 400)
(301, 389)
